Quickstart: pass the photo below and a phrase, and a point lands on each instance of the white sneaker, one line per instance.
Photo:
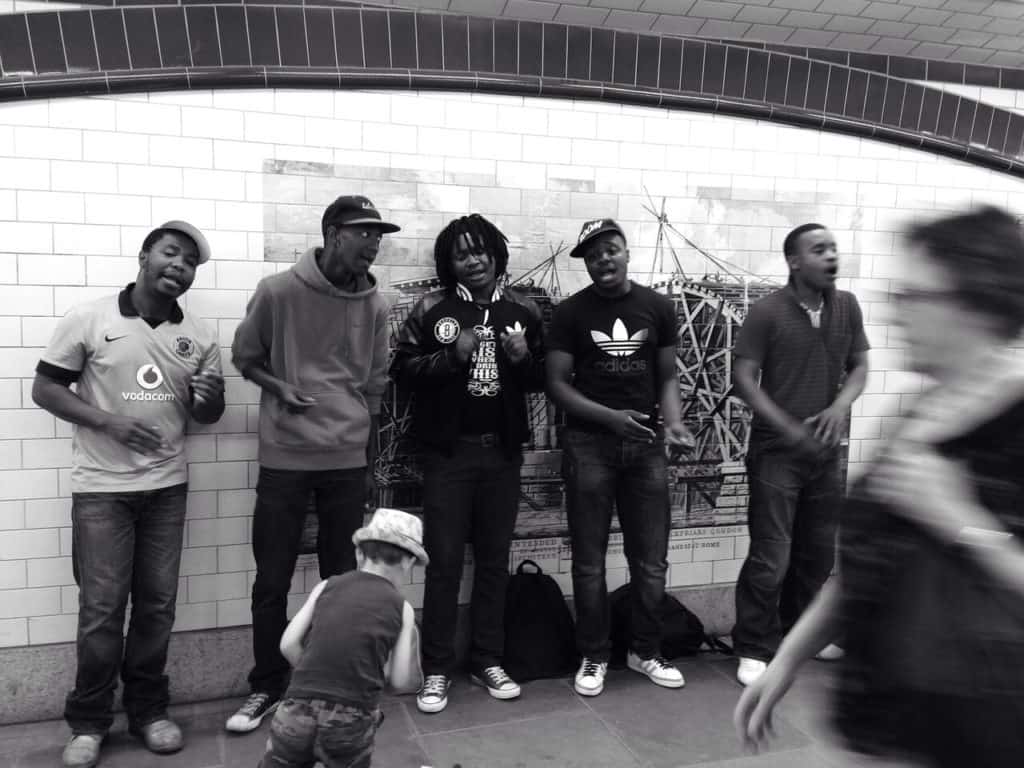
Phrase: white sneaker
(657, 669)
(590, 677)
(830, 652)
(82, 750)
(433, 696)
(249, 716)
(749, 670)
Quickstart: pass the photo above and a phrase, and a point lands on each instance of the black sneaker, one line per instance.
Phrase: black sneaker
(497, 683)
(251, 713)
(433, 696)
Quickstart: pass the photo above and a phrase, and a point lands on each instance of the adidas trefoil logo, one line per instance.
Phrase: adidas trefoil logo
(620, 343)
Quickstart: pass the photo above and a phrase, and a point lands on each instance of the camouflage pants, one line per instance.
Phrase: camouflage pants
(307, 730)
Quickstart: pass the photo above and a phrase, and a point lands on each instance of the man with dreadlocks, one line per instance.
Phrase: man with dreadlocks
(469, 351)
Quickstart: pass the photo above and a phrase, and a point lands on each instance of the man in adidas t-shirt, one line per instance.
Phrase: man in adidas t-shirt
(611, 367)
(141, 366)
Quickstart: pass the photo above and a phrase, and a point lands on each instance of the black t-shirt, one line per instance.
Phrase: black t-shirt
(614, 343)
(481, 405)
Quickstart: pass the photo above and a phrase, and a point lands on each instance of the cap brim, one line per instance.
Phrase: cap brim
(409, 545)
(580, 249)
(197, 237)
(385, 226)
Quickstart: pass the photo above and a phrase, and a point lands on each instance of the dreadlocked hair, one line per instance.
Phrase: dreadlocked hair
(485, 237)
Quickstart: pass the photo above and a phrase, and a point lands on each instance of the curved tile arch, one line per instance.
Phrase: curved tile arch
(172, 47)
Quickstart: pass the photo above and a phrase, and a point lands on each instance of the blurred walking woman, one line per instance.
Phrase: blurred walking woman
(930, 601)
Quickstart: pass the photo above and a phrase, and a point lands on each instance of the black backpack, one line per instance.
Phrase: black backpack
(682, 632)
(540, 636)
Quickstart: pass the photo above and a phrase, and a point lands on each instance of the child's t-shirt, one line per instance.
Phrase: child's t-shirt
(355, 625)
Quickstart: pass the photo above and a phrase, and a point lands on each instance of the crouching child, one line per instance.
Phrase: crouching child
(354, 634)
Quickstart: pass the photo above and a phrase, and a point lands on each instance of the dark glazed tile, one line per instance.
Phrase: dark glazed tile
(874, 102)
(947, 115)
(1012, 78)
(320, 37)
(735, 71)
(976, 74)
(577, 57)
(911, 106)
(869, 61)
(930, 110)
(44, 29)
(964, 120)
(946, 71)
(648, 57)
(506, 46)
(827, 54)
(856, 93)
(430, 51)
(291, 36)
(456, 43)
(142, 41)
(602, 53)
(1014, 136)
(838, 87)
(110, 39)
(908, 68)
(757, 75)
(796, 88)
(670, 67)
(481, 44)
(202, 36)
(376, 41)
(997, 133)
(893, 107)
(348, 36)
(79, 44)
(234, 42)
(714, 69)
(817, 86)
(555, 48)
(14, 44)
(778, 78)
(170, 29)
(983, 119)
(625, 58)
(531, 41)
(262, 35)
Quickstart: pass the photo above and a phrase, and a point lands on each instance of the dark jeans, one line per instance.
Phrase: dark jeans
(792, 516)
(282, 501)
(305, 731)
(600, 469)
(124, 544)
(472, 494)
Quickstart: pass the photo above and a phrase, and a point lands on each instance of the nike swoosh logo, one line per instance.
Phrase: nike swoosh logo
(108, 337)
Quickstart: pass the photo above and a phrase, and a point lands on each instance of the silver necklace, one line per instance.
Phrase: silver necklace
(813, 314)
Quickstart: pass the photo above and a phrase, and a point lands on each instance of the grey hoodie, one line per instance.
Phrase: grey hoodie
(332, 345)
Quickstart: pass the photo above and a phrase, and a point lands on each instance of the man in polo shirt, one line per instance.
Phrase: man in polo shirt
(800, 362)
(141, 367)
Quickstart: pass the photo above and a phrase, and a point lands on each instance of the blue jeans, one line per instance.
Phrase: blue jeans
(471, 495)
(305, 731)
(600, 469)
(793, 516)
(124, 544)
(282, 501)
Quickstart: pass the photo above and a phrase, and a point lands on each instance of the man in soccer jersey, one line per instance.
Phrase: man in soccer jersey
(141, 367)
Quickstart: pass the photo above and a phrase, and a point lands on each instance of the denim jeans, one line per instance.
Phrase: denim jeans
(793, 516)
(305, 731)
(124, 545)
(282, 501)
(600, 469)
(471, 495)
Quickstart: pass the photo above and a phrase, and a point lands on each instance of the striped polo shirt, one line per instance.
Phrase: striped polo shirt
(121, 363)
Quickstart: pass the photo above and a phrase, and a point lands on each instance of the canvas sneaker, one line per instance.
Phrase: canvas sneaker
(749, 670)
(590, 677)
(251, 713)
(659, 671)
(497, 683)
(433, 696)
(82, 751)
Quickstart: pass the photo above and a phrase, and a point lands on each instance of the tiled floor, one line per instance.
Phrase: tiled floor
(633, 723)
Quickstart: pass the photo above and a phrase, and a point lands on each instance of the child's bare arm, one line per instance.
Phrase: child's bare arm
(295, 632)
(403, 669)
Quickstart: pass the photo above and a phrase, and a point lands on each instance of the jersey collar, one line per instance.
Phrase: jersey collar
(463, 293)
(124, 303)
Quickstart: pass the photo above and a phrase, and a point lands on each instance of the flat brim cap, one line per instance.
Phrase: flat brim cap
(591, 230)
(354, 210)
(193, 232)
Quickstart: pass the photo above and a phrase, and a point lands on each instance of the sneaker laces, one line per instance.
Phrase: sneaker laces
(434, 685)
(660, 662)
(496, 676)
(253, 704)
(591, 668)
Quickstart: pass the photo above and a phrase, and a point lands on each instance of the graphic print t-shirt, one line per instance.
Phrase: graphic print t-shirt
(481, 407)
(615, 343)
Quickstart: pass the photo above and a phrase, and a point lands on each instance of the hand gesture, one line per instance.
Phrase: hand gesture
(466, 344)
(828, 425)
(753, 714)
(678, 437)
(629, 424)
(802, 440)
(206, 386)
(134, 433)
(294, 400)
(513, 341)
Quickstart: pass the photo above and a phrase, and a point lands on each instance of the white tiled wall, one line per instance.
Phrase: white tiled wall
(83, 180)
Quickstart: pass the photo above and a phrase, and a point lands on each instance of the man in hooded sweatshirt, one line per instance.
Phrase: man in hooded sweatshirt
(315, 340)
